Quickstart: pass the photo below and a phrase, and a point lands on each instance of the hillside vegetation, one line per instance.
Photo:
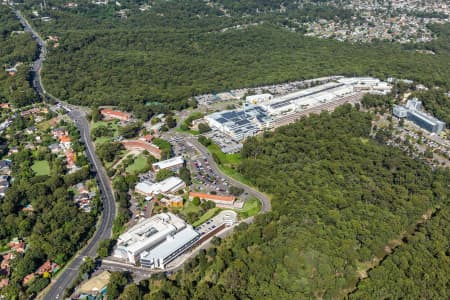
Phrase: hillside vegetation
(15, 48)
(177, 49)
(338, 198)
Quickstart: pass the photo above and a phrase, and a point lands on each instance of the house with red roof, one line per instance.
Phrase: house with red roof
(48, 267)
(4, 283)
(70, 158)
(4, 265)
(65, 141)
(17, 246)
(27, 279)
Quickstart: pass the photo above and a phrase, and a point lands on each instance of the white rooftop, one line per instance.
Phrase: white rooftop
(172, 244)
(167, 185)
(168, 163)
(149, 232)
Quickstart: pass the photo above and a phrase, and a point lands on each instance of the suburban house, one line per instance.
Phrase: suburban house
(65, 141)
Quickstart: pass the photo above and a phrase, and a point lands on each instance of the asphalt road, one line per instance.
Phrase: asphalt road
(265, 201)
(69, 273)
(103, 231)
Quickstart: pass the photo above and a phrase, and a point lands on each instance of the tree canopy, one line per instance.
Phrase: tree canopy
(338, 198)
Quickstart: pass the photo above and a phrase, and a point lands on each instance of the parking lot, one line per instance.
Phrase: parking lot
(226, 217)
(204, 179)
(225, 142)
(181, 147)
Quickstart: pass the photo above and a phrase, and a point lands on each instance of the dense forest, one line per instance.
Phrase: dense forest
(177, 49)
(16, 47)
(418, 269)
(338, 198)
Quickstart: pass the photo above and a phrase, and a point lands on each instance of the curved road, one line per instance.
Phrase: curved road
(103, 231)
(265, 201)
(69, 273)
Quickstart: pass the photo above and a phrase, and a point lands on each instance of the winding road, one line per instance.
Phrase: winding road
(103, 230)
(264, 199)
(66, 277)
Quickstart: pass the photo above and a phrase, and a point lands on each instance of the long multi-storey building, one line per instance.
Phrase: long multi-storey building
(171, 248)
(146, 235)
(265, 111)
(426, 121)
(240, 124)
(412, 112)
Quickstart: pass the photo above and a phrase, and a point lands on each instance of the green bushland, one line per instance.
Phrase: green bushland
(337, 201)
(156, 60)
(15, 48)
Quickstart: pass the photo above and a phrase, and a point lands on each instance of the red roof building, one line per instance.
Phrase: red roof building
(146, 138)
(4, 283)
(141, 145)
(221, 201)
(115, 114)
(28, 278)
(5, 262)
(19, 247)
(70, 158)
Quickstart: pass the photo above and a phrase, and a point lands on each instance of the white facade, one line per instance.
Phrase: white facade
(308, 98)
(147, 234)
(240, 124)
(414, 104)
(172, 164)
(258, 99)
(171, 248)
(168, 185)
(400, 111)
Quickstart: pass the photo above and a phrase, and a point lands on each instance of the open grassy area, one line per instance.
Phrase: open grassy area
(251, 208)
(228, 163)
(113, 125)
(189, 207)
(193, 132)
(206, 216)
(41, 167)
(4, 248)
(225, 159)
(139, 164)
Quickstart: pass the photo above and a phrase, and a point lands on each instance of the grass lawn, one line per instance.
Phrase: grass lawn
(41, 167)
(112, 125)
(139, 164)
(228, 163)
(206, 216)
(102, 140)
(189, 207)
(225, 159)
(251, 208)
(193, 132)
(4, 248)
